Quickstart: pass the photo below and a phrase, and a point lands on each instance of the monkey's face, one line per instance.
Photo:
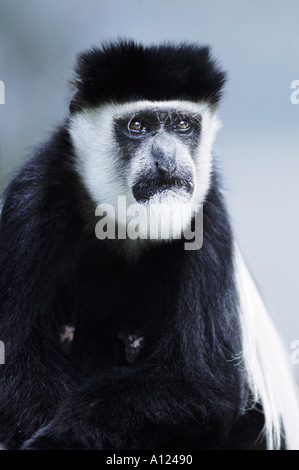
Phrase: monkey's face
(157, 145)
(156, 154)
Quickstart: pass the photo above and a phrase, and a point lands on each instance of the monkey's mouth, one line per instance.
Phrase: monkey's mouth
(145, 189)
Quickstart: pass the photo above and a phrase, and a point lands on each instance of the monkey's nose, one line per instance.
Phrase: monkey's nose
(164, 154)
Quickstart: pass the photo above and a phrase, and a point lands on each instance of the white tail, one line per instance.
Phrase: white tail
(266, 363)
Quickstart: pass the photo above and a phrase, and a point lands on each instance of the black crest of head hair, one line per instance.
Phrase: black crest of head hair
(125, 71)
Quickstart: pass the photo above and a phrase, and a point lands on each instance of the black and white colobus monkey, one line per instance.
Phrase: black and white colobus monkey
(130, 342)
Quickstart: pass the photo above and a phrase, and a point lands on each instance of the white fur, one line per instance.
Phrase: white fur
(266, 364)
(92, 135)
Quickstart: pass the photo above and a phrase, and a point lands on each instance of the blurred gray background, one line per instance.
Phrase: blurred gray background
(257, 42)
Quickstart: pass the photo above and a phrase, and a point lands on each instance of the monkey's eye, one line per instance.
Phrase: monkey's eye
(136, 126)
(182, 126)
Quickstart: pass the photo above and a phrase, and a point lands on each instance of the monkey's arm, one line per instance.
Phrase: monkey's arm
(33, 260)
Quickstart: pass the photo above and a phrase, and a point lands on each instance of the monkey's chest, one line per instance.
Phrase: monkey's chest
(114, 322)
(119, 311)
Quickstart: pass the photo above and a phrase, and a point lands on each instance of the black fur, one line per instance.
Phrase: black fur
(183, 390)
(154, 73)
